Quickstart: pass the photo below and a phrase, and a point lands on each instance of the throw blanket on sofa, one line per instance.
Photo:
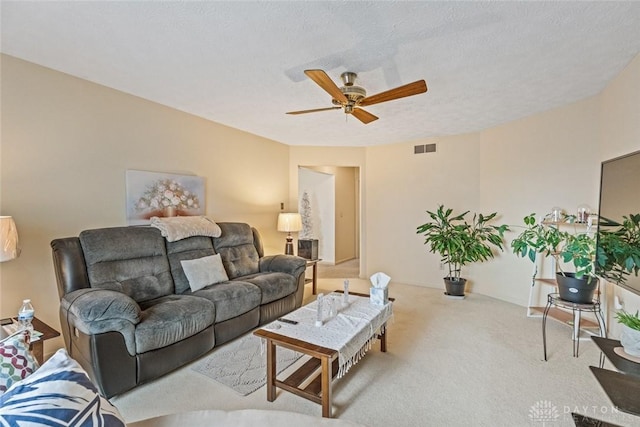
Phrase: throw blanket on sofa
(181, 227)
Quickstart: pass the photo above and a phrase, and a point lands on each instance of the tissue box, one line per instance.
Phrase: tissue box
(379, 296)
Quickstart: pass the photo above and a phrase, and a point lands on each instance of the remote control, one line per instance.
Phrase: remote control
(292, 322)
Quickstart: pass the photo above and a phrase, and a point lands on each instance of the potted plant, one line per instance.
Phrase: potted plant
(575, 248)
(460, 242)
(630, 336)
(618, 250)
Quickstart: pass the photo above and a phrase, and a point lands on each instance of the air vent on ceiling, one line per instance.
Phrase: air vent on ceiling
(424, 148)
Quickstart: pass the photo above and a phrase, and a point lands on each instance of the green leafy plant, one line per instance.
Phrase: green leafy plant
(618, 252)
(630, 320)
(539, 237)
(536, 239)
(459, 241)
(579, 249)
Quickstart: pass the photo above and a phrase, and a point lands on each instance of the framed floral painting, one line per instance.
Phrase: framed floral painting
(160, 194)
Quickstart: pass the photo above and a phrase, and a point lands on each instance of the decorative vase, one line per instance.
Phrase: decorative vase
(630, 339)
(170, 211)
(455, 288)
(575, 290)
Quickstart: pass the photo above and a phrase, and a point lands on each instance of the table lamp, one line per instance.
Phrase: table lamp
(289, 222)
(8, 239)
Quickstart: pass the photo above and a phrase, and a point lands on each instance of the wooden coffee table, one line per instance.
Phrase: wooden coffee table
(306, 381)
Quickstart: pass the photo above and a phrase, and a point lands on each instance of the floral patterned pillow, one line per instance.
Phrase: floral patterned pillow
(16, 360)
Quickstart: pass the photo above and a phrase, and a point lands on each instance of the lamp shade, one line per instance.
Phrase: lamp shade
(8, 239)
(289, 222)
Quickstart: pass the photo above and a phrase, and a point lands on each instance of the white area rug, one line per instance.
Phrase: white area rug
(242, 364)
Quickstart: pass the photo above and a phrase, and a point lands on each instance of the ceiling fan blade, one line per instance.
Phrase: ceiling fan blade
(324, 81)
(315, 110)
(362, 115)
(400, 92)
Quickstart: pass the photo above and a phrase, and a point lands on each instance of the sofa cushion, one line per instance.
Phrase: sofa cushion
(132, 260)
(236, 246)
(231, 298)
(170, 319)
(204, 271)
(191, 248)
(273, 286)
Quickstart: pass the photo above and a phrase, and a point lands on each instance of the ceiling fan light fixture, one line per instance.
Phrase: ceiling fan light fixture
(351, 98)
(354, 93)
(348, 78)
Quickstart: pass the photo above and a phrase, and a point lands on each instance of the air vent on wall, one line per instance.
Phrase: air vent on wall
(425, 148)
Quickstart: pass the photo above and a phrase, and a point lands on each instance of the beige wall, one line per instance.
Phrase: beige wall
(66, 144)
(346, 222)
(400, 187)
(530, 165)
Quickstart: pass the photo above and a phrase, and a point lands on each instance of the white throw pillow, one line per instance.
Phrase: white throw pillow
(204, 271)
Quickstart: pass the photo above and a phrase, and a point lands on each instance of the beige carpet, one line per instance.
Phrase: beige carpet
(344, 270)
(471, 362)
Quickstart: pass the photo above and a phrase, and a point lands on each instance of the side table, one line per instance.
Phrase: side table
(47, 333)
(314, 275)
(623, 388)
(576, 309)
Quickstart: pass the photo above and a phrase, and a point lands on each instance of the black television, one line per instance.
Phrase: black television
(618, 237)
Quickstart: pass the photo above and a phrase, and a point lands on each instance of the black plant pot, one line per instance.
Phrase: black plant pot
(576, 290)
(454, 288)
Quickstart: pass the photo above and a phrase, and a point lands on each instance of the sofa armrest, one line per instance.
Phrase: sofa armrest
(96, 311)
(289, 264)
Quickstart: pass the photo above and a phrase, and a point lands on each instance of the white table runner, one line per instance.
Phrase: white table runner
(351, 332)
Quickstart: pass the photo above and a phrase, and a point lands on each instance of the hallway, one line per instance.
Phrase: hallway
(345, 270)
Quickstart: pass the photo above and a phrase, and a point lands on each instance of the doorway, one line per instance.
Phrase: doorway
(334, 196)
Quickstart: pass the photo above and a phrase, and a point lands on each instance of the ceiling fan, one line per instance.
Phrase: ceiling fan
(351, 97)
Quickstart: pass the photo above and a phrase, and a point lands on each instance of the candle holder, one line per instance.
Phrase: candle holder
(320, 302)
(345, 295)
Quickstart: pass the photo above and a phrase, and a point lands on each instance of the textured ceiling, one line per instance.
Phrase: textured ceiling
(242, 63)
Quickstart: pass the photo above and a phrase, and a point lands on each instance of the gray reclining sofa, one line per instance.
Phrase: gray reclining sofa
(128, 314)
